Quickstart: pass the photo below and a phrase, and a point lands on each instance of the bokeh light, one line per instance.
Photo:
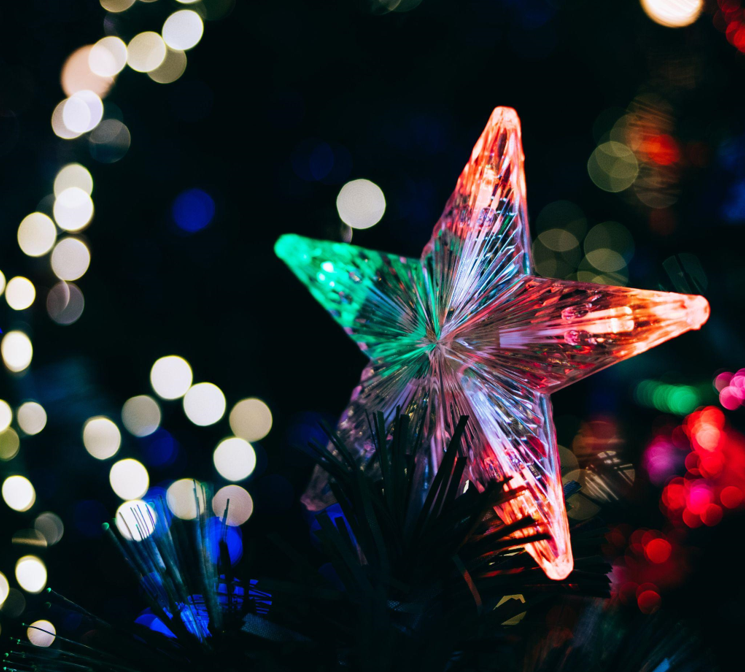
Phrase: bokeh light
(204, 404)
(58, 123)
(2, 282)
(116, 6)
(110, 141)
(73, 209)
(240, 508)
(235, 459)
(16, 350)
(135, 520)
(50, 526)
(129, 479)
(171, 377)
(183, 30)
(668, 397)
(731, 389)
(70, 259)
(101, 438)
(10, 444)
(36, 234)
(78, 76)
(20, 293)
(41, 633)
(146, 51)
(65, 303)
(172, 67)
(82, 112)
(6, 415)
(15, 604)
(159, 448)
(141, 415)
(32, 417)
(361, 204)
(4, 588)
(613, 166)
(73, 175)
(610, 236)
(31, 574)
(182, 497)
(673, 13)
(251, 419)
(18, 493)
(108, 56)
(193, 210)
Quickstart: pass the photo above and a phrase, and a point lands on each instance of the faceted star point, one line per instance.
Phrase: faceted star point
(468, 330)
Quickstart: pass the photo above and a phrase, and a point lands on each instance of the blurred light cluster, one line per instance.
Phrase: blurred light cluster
(670, 398)
(566, 249)
(185, 495)
(596, 462)
(730, 19)
(30, 418)
(129, 478)
(87, 77)
(700, 466)
(731, 389)
(638, 154)
(90, 72)
(38, 235)
(205, 404)
(710, 455)
(646, 563)
(673, 13)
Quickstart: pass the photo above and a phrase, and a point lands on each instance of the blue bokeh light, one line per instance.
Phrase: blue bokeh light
(159, 448)
(193, 210)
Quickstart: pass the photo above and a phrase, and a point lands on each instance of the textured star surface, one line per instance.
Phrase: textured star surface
(468, 330)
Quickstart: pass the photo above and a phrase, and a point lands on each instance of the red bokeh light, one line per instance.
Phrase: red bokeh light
(658, 550)
(649, 601)
(662, 149)
(731, 497)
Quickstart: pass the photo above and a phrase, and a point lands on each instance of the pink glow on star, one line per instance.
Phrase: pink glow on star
(468, 329)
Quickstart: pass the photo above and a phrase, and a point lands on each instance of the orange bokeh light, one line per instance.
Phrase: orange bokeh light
(78, 76)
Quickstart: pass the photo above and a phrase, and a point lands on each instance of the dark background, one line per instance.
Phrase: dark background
(400, 98)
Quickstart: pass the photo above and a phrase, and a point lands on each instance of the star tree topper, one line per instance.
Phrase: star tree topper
(467, 329)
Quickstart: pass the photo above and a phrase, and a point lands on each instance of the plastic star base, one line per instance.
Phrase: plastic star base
(468, 330)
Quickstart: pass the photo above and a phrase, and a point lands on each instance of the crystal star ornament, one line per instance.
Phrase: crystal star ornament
(468, 329)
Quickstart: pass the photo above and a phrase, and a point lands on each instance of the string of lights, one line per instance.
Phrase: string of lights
(55, 232)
